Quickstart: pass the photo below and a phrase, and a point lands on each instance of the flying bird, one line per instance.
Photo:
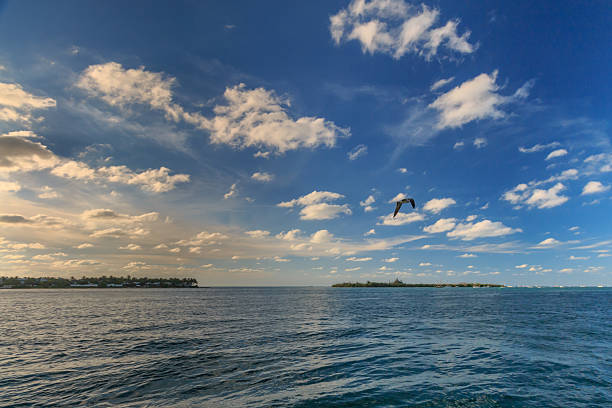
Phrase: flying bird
(399, 204)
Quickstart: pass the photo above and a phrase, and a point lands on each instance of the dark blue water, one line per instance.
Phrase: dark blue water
(306, 347)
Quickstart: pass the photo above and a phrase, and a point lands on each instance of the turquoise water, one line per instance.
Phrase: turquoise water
(306, 347)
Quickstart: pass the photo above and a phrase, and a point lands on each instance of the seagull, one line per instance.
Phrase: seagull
(399, 204)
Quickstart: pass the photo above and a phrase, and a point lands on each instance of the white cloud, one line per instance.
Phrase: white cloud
(358, 151)
(473, 100)
(364, 259)
(468, 255)
(233, 191)
(523, 194)
(480, 142)
(401, 219)
(538, 147)
(425, 264)
(440, 83)
(483, 229)
(257, 233)
(556, 153)
(367, 203)
(370, 232)
(458, 145)
(603, 160)
(397, 198)
(396, 28)
(121, 87)
(315, 206)
(17, 153)
(263, 177)
(442, 225)
(403, 170)
(471, 218)
(352, 269)
(16, 105)
(390, 260)
(291, 235)
(258, 118)
(321, 236)
(84, 245)
(548, 243)
(593, 187)
(131, 247)
(578, 258)
(436, 205)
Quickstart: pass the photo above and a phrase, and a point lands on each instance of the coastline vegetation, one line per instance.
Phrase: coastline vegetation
(398, 283)
(96, 282)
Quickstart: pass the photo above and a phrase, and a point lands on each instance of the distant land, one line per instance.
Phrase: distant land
(99, 282)
(399, 284)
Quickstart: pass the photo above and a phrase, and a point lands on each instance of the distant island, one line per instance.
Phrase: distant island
(98, 282)
(399, 284)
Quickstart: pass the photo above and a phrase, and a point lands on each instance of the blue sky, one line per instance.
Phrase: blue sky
(264, 143)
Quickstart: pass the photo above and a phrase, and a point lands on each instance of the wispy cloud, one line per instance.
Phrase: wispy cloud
(357, 152)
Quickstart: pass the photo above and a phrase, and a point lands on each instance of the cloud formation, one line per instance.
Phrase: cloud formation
(315, 206)
(436, 205)
(17, 105)
(593, 187)
(259, 118)
(357, 152)
(397, 28)
(475, 99)
(524, 194)
(469, 231)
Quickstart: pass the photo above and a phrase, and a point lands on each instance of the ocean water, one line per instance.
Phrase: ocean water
(306, 347)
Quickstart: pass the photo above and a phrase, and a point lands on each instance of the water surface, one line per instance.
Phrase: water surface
(306, 347)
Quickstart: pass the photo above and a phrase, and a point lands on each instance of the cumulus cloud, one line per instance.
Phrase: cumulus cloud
(123, 87)
(468, 255)
(19, 154)
(321, 236)
(483, 229)
(262, 176)
(259, 118)
(367, 203)
(436, 205)
(370, 232)
(396, 28)
(257, 233)
(458, 145)
(131, 247)
(442, 225)
(593, 187)
(538, 147)
(548, 243)
(524, 194)
(474, 100)
(358, 151)
(315, 206)
(390, 260)
(16, 104)
(556, 153)
(291, 235)
(400, 219)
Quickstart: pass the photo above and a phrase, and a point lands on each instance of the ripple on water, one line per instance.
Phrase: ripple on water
(306, 347)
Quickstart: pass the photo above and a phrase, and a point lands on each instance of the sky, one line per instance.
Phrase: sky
(265, 143)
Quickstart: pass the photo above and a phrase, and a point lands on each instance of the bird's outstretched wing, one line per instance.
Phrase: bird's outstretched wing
(397, 207)
(412, 202)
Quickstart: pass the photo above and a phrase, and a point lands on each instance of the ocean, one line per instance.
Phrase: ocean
(306, 347)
